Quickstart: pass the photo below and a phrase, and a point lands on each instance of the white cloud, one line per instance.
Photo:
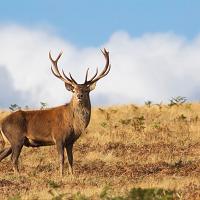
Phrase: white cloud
(154, 67)
(9, 93)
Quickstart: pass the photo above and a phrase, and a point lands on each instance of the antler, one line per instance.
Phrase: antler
(103, 73)
(56, 72)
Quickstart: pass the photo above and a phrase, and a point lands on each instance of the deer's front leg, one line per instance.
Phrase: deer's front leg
(60, 149)
(69, 148)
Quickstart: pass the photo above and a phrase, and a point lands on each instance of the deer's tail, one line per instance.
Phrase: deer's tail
(3, 139)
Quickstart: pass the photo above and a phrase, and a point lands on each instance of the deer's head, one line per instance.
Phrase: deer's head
(80, 91)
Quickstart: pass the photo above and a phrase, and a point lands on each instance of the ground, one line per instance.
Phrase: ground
(124, 147)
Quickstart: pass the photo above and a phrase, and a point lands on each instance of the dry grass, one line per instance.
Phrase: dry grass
(124, 147)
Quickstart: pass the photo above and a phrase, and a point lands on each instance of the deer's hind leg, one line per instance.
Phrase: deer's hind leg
(16, 150)
(5, 152)
(14, 129)
(16, 139)
(2, 143)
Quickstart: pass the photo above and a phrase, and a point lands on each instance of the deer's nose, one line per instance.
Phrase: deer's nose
(80, 96)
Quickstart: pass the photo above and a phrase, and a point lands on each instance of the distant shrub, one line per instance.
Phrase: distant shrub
(43, 105)
(53, 184)
(14, 107)
(138, 123)
(182, 117)
(125, 121)
(177, 101)
(159, 105)
(148, 103)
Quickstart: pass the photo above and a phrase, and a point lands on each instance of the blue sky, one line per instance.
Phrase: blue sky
(91, 22)
(154, 49)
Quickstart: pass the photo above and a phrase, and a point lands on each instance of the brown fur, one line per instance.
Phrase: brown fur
(60, 126)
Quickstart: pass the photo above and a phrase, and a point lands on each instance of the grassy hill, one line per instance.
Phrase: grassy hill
(124, 147)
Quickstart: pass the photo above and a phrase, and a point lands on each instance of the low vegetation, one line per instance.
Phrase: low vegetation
(128, 152)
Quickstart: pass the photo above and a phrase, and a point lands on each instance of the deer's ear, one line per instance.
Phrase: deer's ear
(92, 87)
(69, 87)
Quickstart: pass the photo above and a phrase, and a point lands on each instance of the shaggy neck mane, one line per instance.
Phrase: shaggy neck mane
(81, 113)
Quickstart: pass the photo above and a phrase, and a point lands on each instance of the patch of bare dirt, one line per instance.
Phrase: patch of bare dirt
(137, 170)
(120, 149)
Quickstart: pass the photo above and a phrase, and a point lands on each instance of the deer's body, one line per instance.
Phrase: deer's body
(60, 126)
(45, 127)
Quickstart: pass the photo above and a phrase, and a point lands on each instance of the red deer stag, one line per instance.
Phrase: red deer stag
(60, 126)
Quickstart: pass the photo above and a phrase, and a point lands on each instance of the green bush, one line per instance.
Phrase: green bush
(150, 194)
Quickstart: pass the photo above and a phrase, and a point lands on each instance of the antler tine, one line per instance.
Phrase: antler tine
(102, 75)
(105, 70)
(69, 79)
(56, 72)
(66, 76)
(55, 65)
(106, 55)
(93, 76)
(72, 78)
(86, 76)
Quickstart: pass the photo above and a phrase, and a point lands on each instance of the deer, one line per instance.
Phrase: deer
(60, 126)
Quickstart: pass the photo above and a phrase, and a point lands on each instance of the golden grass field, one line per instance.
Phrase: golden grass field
(124, 147)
